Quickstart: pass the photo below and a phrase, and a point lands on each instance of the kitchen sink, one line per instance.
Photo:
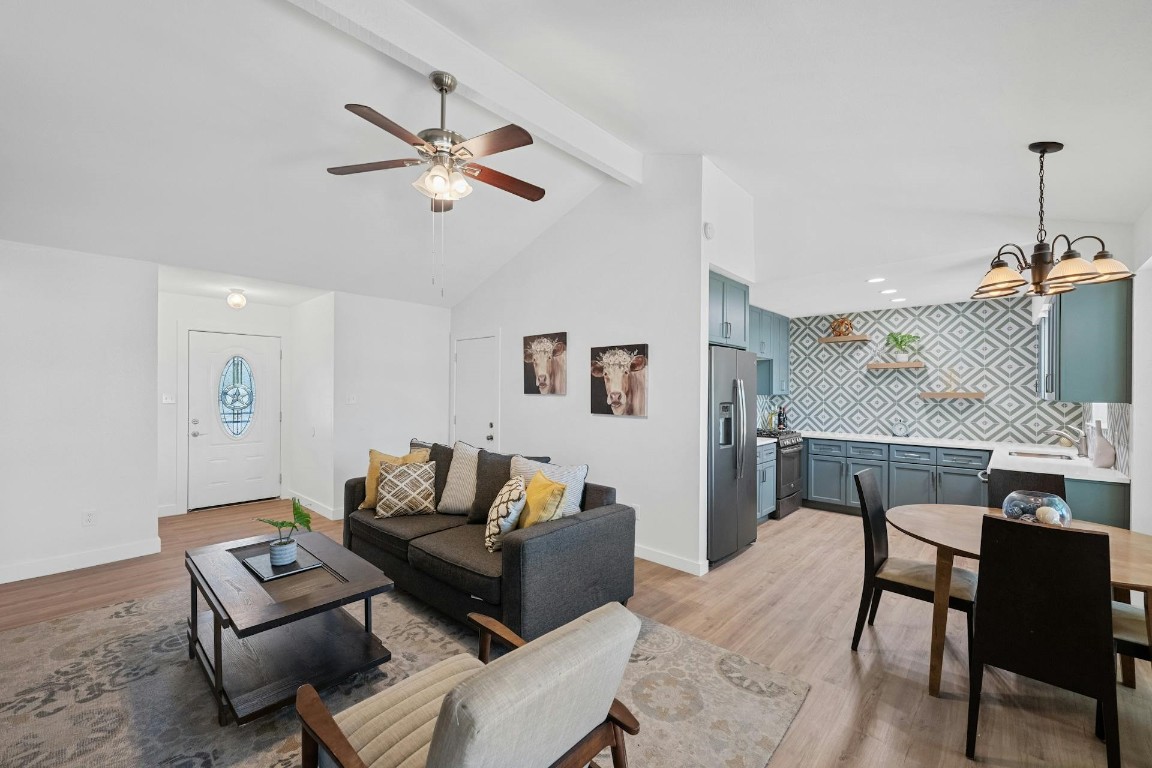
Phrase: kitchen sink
(1038, 455)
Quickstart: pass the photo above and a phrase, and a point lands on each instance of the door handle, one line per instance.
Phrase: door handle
(489, 438)
(195, 434)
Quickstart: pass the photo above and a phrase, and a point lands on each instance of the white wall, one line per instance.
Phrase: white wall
(624, 266)
(308, 417)
(178, 314)
(391, 380)
(77, 420)
(1141, 461)
(729, 208)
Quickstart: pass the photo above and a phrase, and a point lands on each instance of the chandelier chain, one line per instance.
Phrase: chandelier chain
(1041, 233)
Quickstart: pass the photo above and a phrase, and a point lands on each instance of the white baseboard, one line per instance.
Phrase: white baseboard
(75, 560)
(168, 510)
(316, 506)
(693, 567)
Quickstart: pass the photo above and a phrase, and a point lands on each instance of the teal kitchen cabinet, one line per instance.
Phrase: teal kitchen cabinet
(851, 495)
(755, 339)
(911, 484)
(1093, 502)
(961, 486)
(1085, 345)
(766, 488)
(769, 340)
(780, 366)
(826, 478)
(727, 312)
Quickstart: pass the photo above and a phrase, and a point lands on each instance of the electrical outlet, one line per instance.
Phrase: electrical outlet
(350, 399)
(88, 518)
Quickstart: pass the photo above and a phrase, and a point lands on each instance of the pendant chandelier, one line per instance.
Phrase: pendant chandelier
(1048, 278)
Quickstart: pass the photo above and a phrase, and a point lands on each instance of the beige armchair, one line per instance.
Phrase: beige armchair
(549, 702)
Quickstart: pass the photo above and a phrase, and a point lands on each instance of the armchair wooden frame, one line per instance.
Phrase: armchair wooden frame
(318, 728)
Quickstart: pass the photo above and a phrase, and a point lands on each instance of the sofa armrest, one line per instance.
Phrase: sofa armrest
(557, 571)
(355, 492)
(597, 496)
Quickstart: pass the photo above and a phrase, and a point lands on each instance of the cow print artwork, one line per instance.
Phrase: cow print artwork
(546, 364)
(620, 380)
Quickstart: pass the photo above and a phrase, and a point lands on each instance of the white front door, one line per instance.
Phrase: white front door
(233, 418)
(477, 387)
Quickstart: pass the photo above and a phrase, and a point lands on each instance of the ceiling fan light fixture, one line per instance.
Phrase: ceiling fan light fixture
(437, 180)
(1072, 268)
(459, 185)
(1109, 269)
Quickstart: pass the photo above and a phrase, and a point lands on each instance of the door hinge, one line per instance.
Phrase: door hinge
(281, 417)
(281, 354)
(281, 480)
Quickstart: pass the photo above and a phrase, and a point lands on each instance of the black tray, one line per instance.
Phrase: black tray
(261, 565)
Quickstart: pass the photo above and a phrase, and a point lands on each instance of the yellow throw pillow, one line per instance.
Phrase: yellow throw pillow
(372, 476)
(544, 497)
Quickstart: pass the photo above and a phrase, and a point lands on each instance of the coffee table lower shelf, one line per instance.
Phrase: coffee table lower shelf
(262, 672)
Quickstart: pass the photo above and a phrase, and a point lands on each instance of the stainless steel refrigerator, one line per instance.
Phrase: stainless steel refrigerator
(731, 451)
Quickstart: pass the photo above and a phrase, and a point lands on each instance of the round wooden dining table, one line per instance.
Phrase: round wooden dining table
(954, 530)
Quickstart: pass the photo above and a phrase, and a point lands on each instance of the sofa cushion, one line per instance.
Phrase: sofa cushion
(406, 489)
(442, 455)
(460, 488)
(458, 558)
(372, 477)
(492, 471)
(393, 534)
(573, 478)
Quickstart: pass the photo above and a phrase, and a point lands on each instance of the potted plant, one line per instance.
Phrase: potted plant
(902, 343)
(283, 550)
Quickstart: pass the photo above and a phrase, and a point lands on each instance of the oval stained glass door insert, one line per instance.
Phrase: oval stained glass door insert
(237, 396)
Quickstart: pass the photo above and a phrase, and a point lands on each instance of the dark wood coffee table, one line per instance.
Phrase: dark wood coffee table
(269, 638)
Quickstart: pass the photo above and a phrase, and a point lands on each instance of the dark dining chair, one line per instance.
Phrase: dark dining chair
(1002, 482)
(1044, 611)
(911, 578)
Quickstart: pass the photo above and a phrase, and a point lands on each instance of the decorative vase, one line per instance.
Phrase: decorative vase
(282, 552)
(1037, 507)
(902, 357)
(841, 326)
(1103, 453)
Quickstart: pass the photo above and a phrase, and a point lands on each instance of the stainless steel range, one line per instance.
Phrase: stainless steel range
(789, 469)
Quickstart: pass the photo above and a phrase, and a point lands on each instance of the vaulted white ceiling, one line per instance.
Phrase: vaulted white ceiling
(197, 135)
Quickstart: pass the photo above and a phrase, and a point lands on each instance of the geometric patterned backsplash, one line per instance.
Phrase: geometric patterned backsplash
(986, 346)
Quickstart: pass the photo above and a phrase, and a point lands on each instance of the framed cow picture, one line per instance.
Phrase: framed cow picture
(546, 364)
(620, 380)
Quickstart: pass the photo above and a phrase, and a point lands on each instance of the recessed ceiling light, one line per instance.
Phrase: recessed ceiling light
(876, 279)
(899, 299)
(889, 290)
(236, 298)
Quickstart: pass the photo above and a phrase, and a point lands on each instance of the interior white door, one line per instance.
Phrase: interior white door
(233, 418)
(477, 387)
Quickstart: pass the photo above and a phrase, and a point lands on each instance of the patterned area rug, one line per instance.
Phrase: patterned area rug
(115, 687)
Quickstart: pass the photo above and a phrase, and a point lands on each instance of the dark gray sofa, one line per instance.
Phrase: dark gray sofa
(544, 577)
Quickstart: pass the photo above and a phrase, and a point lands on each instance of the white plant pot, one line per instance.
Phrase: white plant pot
(282, 553)
(902, 357)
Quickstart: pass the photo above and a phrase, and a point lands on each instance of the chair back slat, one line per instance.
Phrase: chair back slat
(875, 524)
(1002, 482)
(1043, 604)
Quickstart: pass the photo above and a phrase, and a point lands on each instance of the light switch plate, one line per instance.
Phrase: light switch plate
(168, 399)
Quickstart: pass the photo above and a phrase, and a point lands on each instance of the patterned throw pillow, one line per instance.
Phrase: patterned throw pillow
(543, 497)
(460, 490)
(372, 477)
(572, 477)
(406, 489)
(505, 512)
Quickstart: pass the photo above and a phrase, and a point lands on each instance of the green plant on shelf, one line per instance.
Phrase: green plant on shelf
(901, 342)
(301, 518)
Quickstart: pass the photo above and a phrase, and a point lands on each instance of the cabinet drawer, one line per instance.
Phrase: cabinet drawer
(962, 457)
(912, 454)
(828, 447)
(877, 451)
(765, 453)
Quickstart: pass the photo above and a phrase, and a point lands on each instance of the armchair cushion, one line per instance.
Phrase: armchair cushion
(393, 534)
(457, 556)
(394, 728)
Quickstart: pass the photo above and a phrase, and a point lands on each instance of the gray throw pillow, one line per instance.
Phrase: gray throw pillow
(492, 471)
(460, 490)
(573, 478)
(442, 455)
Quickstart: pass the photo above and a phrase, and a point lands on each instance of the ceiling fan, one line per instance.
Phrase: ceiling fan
(449, 155)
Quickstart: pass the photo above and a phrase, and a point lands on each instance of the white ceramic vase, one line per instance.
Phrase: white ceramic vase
(1103, 453)
(282, 554)
(902, 357)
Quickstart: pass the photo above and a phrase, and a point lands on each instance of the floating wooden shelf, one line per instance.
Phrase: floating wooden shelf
(953, 395)
(889, 366)
(842, 339)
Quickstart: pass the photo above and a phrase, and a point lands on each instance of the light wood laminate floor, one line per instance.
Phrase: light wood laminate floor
(789, 602)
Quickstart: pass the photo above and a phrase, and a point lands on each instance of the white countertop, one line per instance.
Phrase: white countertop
(764, 441)
(1075, 469)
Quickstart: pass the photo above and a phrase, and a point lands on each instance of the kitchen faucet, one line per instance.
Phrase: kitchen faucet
(1074, 435)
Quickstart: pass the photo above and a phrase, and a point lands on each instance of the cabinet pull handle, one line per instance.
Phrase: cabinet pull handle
(983, 475)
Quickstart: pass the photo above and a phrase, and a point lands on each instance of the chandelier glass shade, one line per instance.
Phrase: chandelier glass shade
(1048, 278)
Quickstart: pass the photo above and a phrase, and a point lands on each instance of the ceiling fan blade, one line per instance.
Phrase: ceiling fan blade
(441, 206)
(383, 165)
(499, 140)
(504, 181)
(380, 121)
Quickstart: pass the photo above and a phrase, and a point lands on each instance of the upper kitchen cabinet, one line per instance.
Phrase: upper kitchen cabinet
(727, 312)
(1085, 345)
(769, 340)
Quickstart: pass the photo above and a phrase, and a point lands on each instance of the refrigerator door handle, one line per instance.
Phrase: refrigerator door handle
(743, 428)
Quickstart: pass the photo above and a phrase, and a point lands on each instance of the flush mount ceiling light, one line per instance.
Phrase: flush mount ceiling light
(1048, 278)
(898, 300)
(236, 298)
(876, 279)
(889, 290)
(449, 155)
